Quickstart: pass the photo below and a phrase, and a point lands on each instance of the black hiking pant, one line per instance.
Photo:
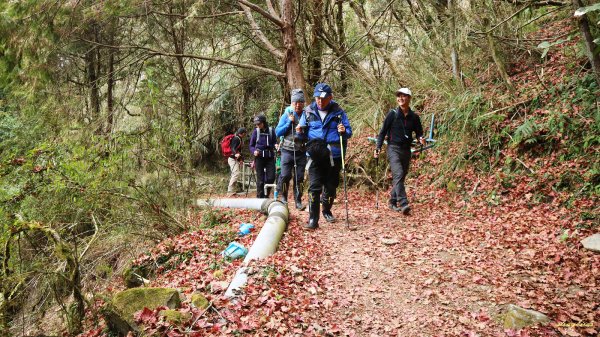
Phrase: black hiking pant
(324, 180)
(287, 170)
(265, 174)
(399, 157)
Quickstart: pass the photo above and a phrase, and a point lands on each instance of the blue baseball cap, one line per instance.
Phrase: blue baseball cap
(322, 90)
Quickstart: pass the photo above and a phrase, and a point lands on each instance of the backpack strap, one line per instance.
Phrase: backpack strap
(269, 134)
(396, 115)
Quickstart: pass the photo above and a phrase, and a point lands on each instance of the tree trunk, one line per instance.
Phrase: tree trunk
(91, 62)
(178, 39)
(456, 71)
(339, 25)
(110, 84)
(362, 18)
(292, 58)
(496, 57)
(584, 27)
(316, 46)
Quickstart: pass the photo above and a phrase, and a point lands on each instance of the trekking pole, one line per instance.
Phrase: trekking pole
(376, 182)
(344, 171)
(278, 176)
(294, 151)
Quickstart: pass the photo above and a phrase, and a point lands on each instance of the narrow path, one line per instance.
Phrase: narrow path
(442, 271)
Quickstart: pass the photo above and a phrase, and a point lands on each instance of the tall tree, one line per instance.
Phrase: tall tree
(584, 27)
(284, 19)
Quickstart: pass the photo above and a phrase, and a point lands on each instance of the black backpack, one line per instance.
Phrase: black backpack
(318, 151)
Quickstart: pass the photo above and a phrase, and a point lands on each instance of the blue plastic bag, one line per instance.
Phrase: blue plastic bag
(234, 251)
(245, 229)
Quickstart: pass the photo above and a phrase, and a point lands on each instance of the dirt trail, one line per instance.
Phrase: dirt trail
(379, 271)
(444, 272)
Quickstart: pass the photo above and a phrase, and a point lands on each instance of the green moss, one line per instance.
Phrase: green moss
(124, 305)
(134, 275)
(176, 317)
(199, 301)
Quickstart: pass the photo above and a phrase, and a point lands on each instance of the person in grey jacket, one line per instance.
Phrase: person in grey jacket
(293, 150)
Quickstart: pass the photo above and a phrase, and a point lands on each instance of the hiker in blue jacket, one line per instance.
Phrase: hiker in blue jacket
(324, 122)
(262, 146)
(293, 150)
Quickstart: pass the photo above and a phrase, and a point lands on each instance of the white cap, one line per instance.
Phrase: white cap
(405, 91)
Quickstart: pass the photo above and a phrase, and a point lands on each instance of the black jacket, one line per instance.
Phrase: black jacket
(236, 146)
(399, 128)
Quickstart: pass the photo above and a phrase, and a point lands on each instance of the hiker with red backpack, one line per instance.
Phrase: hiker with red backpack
(262, 146)
(231, 146)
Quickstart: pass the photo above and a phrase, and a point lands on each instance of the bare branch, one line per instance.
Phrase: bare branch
(508, 18)
(272, 9)
(201, 17)
(258, 9)
(259, 34)
(538, 3)
(191, 56)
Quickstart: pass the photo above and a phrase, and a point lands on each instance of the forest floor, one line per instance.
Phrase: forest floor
(448, 269)
(484, 240)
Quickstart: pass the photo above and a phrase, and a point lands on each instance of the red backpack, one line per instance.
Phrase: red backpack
(226, 145)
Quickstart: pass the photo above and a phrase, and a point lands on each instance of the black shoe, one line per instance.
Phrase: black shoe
(328, 216)
(300, 206)
(405, 210)
(394, 207)
(312, 224)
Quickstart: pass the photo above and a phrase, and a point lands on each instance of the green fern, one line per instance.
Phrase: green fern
(525, 133)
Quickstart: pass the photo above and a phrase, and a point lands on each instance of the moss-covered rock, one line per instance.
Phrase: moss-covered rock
(134, 276)
(199, 301)
(119, 312)
(515, 317)
(175, 317)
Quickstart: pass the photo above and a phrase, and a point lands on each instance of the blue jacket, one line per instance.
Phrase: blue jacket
(285, 129)
(326, 129)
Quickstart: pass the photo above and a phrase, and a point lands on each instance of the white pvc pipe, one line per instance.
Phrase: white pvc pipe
(268, 238)
(249, 203)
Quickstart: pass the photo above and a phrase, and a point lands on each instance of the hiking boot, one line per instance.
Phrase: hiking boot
(328, 216)
(405, 209)
(298, 199)
(312, 224)
(393, 207)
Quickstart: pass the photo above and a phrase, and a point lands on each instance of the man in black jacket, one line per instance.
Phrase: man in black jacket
(399, 126)
(235, 160)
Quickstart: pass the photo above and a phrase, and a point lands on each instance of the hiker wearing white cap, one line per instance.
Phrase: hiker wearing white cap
(399, 126)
